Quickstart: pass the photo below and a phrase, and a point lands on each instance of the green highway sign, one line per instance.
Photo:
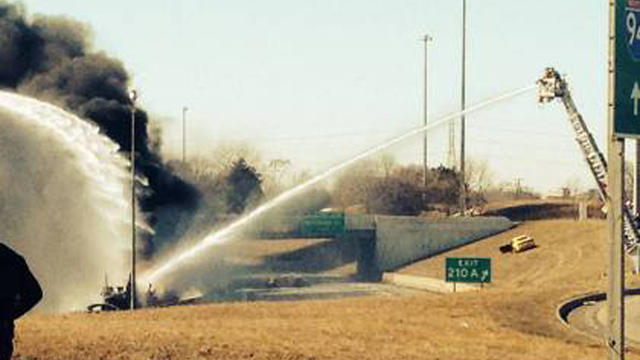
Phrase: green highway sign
(468, 270)
(627, 69)
(328, 224)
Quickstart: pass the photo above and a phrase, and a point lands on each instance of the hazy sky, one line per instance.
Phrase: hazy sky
(317, 81)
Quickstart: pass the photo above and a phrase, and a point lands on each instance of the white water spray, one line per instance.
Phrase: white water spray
(226, 233)
(63, 200)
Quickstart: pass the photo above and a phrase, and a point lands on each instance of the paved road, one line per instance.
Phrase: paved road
(309, 287)
(593, 319)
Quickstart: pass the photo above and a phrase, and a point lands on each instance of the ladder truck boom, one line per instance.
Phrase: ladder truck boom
(553, 86)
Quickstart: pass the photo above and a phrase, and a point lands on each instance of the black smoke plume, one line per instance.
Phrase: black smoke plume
(51, 58)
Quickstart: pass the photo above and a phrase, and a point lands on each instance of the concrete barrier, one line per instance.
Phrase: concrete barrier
(400, 240)
(426, 283)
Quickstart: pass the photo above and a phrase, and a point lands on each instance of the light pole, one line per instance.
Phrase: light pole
(184, 134)
(133, 96)
(426, 40)
(463, 188)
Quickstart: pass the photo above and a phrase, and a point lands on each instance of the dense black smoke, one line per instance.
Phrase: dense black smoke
(51, 58)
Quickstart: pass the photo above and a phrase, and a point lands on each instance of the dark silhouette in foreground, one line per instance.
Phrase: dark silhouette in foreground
(19, 292)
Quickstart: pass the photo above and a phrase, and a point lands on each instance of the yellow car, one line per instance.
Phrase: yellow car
(522, 243)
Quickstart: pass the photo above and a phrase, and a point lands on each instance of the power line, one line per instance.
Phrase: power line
(524, 131)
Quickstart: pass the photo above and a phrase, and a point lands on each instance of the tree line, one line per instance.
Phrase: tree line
(234, 179)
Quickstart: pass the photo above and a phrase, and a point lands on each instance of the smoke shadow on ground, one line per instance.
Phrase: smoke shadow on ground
(323, 256)
(251, 263)
(547, 210)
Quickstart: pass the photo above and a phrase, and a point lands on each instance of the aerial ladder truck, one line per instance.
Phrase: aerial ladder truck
(553, 86)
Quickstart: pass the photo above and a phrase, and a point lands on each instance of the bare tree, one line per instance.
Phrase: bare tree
(298, 177)
(274, 173)
(478, 175)
(385, 162)
(574, 185)
(220, 160)
(411, 173)
(352, 187)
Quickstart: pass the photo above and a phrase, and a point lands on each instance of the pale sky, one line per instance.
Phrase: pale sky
(317, 81)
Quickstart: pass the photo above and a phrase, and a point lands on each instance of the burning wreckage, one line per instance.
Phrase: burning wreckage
(116, 298)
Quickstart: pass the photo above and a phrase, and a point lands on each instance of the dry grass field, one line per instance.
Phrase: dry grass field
(513, 318)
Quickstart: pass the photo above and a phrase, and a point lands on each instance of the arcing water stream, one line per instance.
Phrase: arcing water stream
(63, 203)
(227, 233)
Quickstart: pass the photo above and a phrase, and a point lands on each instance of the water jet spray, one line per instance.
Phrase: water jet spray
(62, 190)
(227, 233)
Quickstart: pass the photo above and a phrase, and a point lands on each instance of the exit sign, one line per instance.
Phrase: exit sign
(468, 270)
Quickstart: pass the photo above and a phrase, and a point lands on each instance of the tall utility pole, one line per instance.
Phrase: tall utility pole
(615, 295)
(426, 40)
(133, 95)
(463, 188)
(184, 134)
